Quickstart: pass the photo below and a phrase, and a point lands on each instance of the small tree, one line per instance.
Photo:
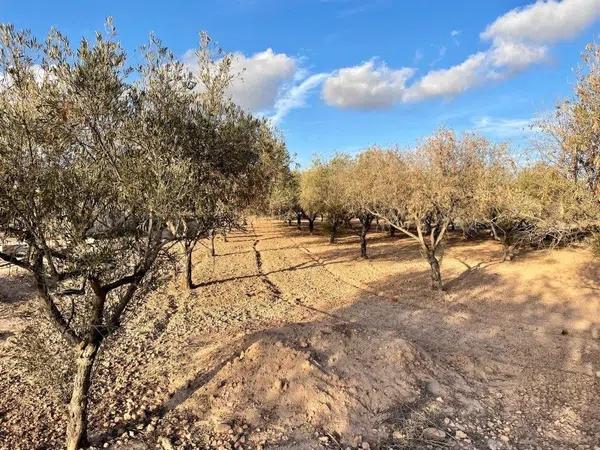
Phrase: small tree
(575, 126)
(363, 194)
(334, 193)
(236, 155)
(310, 197)
(283, 201)
(423, 192)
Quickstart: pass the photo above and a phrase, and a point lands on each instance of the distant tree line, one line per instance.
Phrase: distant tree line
(467, 183)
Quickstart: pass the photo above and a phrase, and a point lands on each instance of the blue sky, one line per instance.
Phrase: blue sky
(345, 74)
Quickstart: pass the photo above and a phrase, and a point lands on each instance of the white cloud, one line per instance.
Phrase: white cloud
(451, 81)
(518, 39)
(544, 22)
(261, 77)
(366, 86)
(503, 127)
(516, 55)
(295, 97)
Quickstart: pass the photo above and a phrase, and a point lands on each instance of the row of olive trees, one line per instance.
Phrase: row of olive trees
(104, 167)
(467, 182)
(447, 182)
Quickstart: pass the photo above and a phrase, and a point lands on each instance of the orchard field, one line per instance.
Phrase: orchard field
(291, 342)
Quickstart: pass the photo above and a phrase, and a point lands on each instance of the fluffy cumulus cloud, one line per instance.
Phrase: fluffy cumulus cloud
(262, 76)
(366, 86)
(268, 83)
(517, 40)
(451, 81)
(544, 22)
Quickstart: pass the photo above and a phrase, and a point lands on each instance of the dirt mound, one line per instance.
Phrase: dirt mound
(340, 379)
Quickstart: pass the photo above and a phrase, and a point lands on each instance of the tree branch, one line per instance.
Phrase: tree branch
(14, 260)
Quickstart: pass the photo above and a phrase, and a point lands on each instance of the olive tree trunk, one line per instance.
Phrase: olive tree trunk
(212, 243)
(364, 229)
(189, 250)
(436, 274)
(311, 225)
(78, 407)
(333, 232)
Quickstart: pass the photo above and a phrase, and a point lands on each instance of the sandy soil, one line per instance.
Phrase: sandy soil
(292, 343)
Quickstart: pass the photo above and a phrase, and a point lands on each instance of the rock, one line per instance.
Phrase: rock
(165, 443)
(504, 438)
(460, 434)
(434, 388)
(493, 444)
(433, 434)
(595, 333)
(223, 428)
(598, 374)
(398, 435)
(365, 446)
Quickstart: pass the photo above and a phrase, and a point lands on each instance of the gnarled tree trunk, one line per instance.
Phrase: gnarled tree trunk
(436, 274)
(392, 231)
(333, 233)
(311, 225)
(364, 229)
(78, 407)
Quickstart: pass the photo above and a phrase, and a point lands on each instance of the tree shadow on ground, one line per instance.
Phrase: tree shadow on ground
(493, 359)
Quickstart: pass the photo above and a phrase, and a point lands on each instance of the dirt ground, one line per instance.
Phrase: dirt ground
(290, 342)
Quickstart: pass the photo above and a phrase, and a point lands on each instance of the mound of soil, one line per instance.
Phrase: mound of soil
(340, 379)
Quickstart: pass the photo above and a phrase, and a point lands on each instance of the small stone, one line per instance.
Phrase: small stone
(165, 443)
(223, 428)
(493, 444)
(595, 333)
(323, 439)
(598, 374)
(434, 388)
(460, 434)
(433, 434)
(365, 446)
(398, 435)
(504, 438)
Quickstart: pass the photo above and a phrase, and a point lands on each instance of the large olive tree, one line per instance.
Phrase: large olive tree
(102, 168)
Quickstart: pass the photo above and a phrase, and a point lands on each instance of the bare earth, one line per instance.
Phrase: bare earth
(293, 343)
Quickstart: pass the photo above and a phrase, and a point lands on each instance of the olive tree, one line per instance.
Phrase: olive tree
(332, 186)
(283, 199)
(424, 191)
(549, 208)
(575, 125)
(363, 195)
(310, 197)
(96, 177)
